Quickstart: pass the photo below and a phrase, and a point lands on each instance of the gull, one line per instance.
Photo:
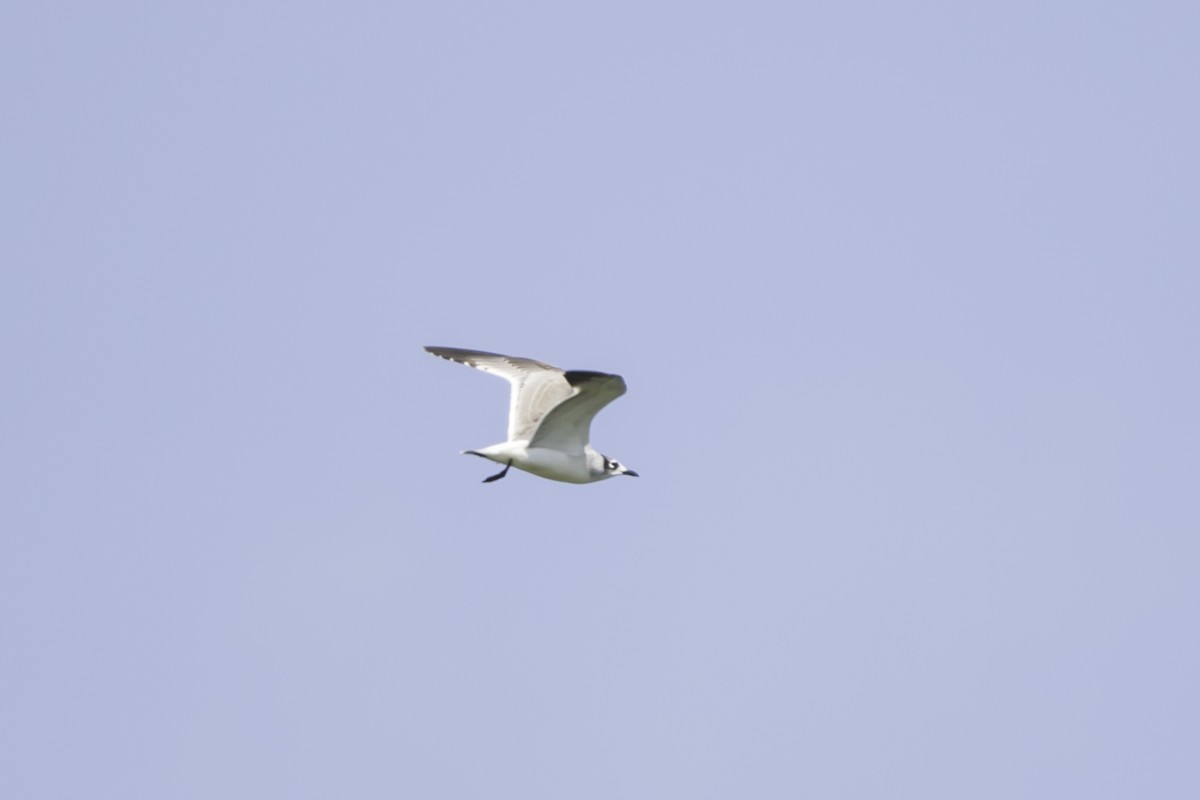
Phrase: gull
(549, 417)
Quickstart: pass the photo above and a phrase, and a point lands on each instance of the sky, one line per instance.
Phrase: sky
(905, 296)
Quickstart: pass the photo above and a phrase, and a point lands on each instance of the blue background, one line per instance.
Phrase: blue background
(906, 299)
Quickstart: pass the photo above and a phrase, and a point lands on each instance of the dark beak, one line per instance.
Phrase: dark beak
(631, 472)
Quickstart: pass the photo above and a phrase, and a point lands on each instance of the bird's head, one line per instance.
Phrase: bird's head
(612, 467)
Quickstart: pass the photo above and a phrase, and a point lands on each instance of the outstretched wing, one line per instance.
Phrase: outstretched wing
(568, 425)
(536, 387)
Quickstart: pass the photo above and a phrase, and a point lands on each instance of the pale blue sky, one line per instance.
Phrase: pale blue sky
(906, 296)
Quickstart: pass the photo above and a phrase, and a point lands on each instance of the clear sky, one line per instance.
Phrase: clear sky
(906, 296)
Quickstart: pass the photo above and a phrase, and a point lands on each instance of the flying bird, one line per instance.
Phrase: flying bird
(549, 417)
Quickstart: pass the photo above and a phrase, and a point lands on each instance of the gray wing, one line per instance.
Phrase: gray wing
(536, 387)
(568, 425)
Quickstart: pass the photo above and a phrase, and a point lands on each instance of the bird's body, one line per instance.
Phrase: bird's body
(543, 461)
(549, 419)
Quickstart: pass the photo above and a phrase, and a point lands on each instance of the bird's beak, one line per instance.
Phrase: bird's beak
(631, 473)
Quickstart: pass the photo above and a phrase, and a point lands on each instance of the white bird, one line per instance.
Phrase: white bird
(549, 417)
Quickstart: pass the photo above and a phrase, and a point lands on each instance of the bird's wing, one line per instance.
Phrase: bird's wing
(536, 387)
(568, 425)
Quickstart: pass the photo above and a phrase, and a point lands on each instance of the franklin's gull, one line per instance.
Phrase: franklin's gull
(549, 417)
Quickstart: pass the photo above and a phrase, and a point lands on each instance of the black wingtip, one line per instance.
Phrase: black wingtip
(578, 376)
(447, 352)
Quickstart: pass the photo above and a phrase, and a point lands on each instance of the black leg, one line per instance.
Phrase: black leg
(499, 474)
